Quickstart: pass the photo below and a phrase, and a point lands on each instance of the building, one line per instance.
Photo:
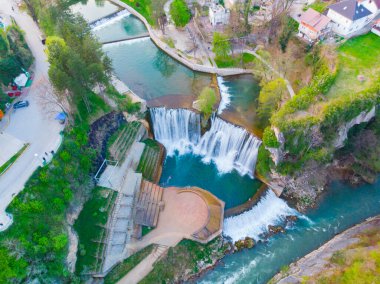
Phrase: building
(313, 25)
(349, 16)
(372, 5)
(218, 15)
(376, 28)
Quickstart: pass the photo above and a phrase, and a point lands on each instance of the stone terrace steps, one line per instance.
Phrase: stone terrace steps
(148, 204)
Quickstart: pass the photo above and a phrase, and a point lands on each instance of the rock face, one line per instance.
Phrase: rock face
(277, 154)
(243, 244)
(343, 130)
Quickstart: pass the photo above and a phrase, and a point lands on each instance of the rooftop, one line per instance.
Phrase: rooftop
(350, 9)
(314, 20)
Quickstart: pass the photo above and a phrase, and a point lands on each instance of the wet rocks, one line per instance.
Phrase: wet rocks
(243, 244)
(274, 230)
(291, 219)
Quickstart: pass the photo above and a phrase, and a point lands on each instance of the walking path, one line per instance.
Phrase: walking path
(32, 124)
(288, 85)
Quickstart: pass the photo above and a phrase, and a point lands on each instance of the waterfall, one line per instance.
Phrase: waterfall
(126, 42)
(270, 210)
(229, 147)
(177, 129)
(101, 23)
(225, 95)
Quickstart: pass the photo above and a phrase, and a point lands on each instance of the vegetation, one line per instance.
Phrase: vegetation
(264, 162)
(144, 7)
(319, 6)
(127, 265)
(290, 27)
(221, 46)
(14, 54)
(90, 227)
(270, 97)
(269, 138)
(37, 243)
(241, 60)
(184, 259)
(358, 263)
(180, 13)
(13, 159)
(206, 101)
(151, 158)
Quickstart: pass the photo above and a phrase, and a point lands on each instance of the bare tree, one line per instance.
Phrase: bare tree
(158, 14)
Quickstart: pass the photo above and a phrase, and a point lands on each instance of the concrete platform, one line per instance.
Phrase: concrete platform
(9, 146)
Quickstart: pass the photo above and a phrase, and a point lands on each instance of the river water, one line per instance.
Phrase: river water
(152, 74)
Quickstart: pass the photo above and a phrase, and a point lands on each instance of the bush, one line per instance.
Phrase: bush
(180, 13)
(269, 138)
(207, 100)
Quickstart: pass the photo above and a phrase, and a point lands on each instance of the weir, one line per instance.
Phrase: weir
(253, 223)
(228, 146)
(225, 95)
(100, 23)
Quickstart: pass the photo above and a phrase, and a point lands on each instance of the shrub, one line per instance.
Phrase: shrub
(207, 100)
(269, 138)
(180, 13)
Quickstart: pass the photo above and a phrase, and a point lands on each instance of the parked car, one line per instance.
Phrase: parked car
(21, 104)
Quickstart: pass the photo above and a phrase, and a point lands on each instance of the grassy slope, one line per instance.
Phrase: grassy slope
(89, 227)
(357, 56)
(183, 259)
(12, 159)
(143, 7)
(359, 263)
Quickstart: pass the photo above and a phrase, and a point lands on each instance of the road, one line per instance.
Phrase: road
(32, 124)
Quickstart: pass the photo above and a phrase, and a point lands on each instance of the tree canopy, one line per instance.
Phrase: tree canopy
(269, 99)
(221, 45)
(180, 13)
(206, 101)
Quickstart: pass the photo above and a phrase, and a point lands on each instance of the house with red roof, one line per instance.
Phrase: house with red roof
(313, 25)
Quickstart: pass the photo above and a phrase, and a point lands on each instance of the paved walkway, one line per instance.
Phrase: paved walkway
(32, 124)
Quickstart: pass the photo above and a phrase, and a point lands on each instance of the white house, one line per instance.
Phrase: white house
(349, 16)
(371, 5)
(218, 15)
(313, 25)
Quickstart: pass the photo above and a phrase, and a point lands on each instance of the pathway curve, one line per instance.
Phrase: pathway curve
(288, 85)
(31, 125)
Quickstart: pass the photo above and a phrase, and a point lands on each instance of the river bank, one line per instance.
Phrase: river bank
(325, 258)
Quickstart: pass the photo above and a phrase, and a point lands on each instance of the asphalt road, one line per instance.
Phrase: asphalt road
(34, 124)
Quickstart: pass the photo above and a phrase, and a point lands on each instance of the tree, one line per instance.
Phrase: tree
(158, 14)
(270, 97)
(221, 45)
(206, 101)
(180, 13)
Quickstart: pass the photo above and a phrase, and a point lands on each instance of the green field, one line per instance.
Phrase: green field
(357, 56)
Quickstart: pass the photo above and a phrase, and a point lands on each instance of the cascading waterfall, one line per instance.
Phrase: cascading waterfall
(225, 95)
(229, 147)
(177, 129)
(101, 23)
(270, 210)
(126, 42)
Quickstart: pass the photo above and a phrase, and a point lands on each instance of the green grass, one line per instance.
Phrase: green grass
(319, 6)
(90, 228)
(143, 7)
(236, 61)
(182, 259)
(12, 159)
(127, 265)
(357, 56)
(150, 158)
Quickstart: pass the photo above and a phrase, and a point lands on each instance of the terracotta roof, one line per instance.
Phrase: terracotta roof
(350, 9)
(314, 20)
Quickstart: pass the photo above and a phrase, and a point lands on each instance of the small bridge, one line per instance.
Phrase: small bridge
(127, 39)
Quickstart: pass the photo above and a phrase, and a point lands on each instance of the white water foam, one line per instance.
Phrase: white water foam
(99, 24)
(229, 147)
(177, 129)
(225, 95)
(270, 210)
(126, 42)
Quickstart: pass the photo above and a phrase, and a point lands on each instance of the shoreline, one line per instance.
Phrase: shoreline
(316, 261)
(173, 54)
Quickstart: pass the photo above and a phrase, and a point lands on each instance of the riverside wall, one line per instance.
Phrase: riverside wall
(171, 52)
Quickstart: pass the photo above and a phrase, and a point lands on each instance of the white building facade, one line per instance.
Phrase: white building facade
(218, 15)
